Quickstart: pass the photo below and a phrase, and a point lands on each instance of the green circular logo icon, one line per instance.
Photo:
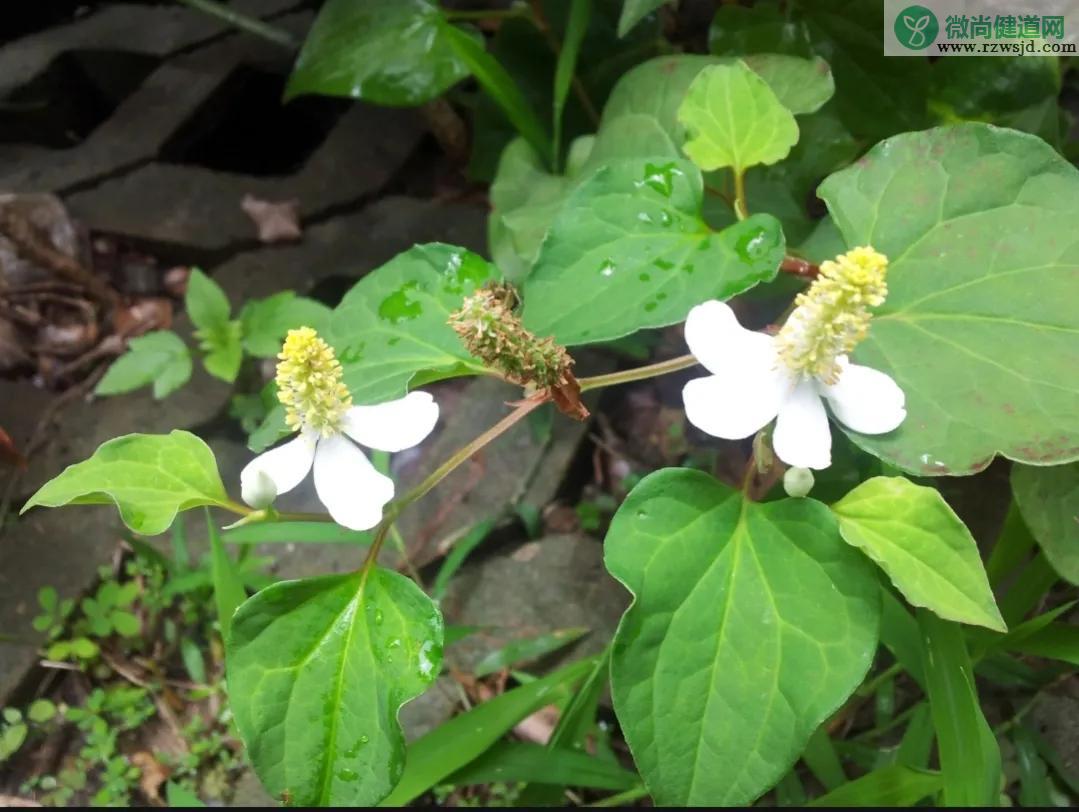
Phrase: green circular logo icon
(916, 27)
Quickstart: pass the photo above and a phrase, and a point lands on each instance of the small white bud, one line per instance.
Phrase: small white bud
(258, 489)
(798, 482)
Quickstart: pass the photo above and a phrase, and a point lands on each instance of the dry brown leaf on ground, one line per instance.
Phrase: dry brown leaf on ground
(276, 222)
(154, 774)
(151, 313)
(538, 727)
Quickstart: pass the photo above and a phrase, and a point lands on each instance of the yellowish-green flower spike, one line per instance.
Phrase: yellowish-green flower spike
(833, 315)
(309, 383)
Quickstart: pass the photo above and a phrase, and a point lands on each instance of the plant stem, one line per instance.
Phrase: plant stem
(244, 22)
(622, 798)
(740, 209)
(444, 470)
(639, 373)
(870, 686)
(236, 507)
(799, 267)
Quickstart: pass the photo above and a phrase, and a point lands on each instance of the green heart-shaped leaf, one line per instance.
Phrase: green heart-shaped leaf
(751, 623)
(924, 547)
(629, 251)
(149, 477)
(392, 324)
(979, 327)
(392, 52)
(735, 119)
(318, 670)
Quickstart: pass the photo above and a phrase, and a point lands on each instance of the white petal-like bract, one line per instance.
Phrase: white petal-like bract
(348, 485)
(394, 425)
(285, 466)
(730, 407)
(802, 436)
(725, 347)
(865, 399)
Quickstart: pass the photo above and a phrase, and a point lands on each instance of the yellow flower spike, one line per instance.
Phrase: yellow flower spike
(309, 383)
(833, 315)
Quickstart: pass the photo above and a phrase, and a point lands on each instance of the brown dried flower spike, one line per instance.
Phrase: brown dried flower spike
(492, 331)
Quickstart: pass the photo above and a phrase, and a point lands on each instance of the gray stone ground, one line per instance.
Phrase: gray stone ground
(115, 182)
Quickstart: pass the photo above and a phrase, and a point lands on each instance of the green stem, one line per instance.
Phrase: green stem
(244, 22)
(236, 507)
(870, 686)
(740, 209)
(639, 373)
(445, 469)
(623, 798)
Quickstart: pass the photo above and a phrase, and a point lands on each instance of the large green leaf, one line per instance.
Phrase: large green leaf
(735, 604)
(318, 670)
(967, 749)
(525, 198)
(149, 477)
(735, 120)
(979, 327)
(392, 324)
(1048, 498)
(160, 358)
(629, 250)
(640, 118)
(924, 547)
(393, 52)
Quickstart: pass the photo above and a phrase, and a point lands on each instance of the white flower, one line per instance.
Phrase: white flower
(309, 384)
(750, 385)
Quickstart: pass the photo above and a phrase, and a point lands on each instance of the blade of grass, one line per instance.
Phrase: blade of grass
(454, 744)
(522, 761)
(968, 751)
(499, 85)
(518, 652)
(891, 786)
(579, 13)
(457, 555)
(228, 587)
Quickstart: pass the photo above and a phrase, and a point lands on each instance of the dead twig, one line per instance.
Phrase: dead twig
(23, 235)
(19, 315)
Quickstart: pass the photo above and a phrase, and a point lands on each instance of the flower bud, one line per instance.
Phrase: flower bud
(798, 482)
(258, 490)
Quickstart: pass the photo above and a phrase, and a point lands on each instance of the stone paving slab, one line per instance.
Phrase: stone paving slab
(143, 122)
(155, 30)
(199, 208)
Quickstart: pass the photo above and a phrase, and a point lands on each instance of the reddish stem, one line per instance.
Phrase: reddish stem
(799, 267)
